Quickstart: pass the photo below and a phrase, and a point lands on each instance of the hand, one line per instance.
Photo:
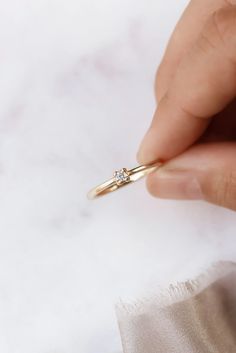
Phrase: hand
(194, 126)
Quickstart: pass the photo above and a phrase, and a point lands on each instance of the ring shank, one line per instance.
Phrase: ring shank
(134, 175)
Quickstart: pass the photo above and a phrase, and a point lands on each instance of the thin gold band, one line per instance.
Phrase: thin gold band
(121, 178)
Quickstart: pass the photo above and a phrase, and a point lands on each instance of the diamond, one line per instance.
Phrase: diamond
(121, 176)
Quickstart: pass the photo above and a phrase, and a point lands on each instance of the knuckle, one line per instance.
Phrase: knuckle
(220, 31)
(224, 22)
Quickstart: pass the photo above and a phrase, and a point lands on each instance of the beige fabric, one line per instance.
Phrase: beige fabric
(193, 317)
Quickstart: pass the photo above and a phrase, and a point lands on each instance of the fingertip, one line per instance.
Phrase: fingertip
(174, 184)
(147, 150)
(139, 156)
(146, 154)
(152, 185)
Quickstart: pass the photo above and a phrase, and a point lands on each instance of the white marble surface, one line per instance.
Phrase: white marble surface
(76, 97)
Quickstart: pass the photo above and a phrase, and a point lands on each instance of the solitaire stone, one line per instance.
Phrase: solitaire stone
(121, 176)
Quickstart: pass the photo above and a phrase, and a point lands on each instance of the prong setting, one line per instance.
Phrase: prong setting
(121, 176)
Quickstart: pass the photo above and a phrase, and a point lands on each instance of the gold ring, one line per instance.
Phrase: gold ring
(121, 178)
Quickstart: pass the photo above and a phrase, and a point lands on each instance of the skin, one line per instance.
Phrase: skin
(194, 126)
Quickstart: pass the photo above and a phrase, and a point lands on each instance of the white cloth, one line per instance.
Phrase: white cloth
(192, 317)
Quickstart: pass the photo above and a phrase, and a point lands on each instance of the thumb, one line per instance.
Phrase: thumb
(204, 172)
(203, 85)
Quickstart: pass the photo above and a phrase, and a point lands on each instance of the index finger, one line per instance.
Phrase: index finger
(203, 85)
(185, 34)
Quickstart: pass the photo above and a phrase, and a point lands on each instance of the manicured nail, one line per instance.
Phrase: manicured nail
(175, 184)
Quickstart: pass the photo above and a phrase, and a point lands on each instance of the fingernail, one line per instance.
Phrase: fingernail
(175, 184)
